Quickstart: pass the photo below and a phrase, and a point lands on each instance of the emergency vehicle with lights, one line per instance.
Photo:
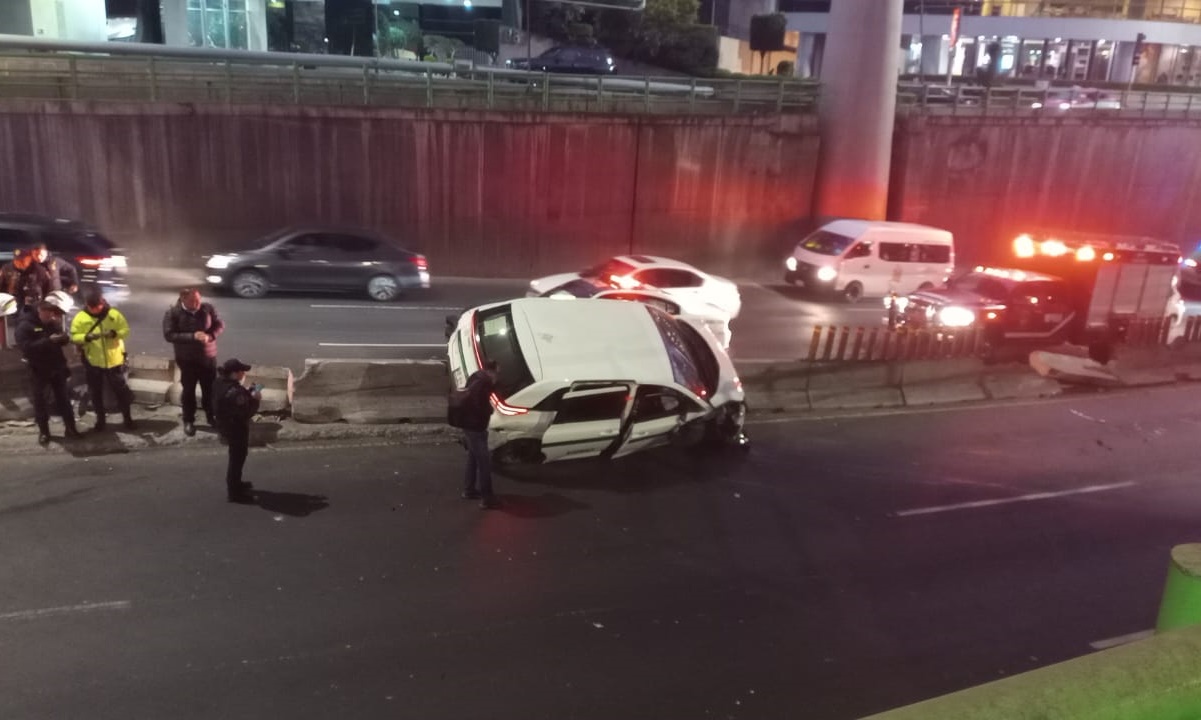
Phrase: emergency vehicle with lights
(590, 378)
(1084, 289)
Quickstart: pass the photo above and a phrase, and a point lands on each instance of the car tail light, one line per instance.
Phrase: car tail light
(504, 408)
(420, 262)
(103, 263)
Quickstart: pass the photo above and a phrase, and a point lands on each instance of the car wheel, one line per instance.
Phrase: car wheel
(383, 288)
(853, 292)
(249, 284)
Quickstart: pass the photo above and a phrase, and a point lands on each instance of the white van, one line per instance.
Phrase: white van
(857, 258)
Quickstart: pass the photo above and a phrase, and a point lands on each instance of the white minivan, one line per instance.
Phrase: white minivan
(857, 258)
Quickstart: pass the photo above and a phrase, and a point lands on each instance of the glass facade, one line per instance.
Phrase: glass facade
(217, 24)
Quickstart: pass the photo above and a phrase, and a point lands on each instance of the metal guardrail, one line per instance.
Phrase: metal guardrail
(31, 69)
(1058, 102)
(1188, 11)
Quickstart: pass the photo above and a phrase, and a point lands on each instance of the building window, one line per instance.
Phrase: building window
(217, 24)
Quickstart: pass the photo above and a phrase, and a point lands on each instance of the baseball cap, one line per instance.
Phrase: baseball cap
(235, 365)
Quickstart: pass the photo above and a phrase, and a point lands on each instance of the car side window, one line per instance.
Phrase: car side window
(303, 243)
(568, 55)
(653, 402)
(352, 244)
(592, 405)
(13, 238)
(934, 253)
(669, 278)
(861, 249)
(668, 307)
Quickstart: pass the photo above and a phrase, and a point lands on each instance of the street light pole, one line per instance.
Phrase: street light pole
(529, 37)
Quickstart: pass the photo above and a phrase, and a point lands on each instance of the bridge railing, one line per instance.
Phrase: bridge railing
(1050, 102)
(31, 69)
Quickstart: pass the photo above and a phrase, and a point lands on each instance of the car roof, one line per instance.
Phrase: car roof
(35, 220)
(568, 346)
(645, 261)
(858, 227)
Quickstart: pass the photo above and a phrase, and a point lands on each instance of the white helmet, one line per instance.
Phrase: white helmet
(61, 300)
(8, 305)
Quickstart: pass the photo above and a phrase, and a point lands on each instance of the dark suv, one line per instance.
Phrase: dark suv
(99, 261)
(576, 60)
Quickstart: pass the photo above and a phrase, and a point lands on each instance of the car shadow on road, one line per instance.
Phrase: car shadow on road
(645, 472)
(291, 504)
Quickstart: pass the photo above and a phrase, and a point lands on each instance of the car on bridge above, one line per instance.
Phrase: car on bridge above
(678, 280)
(567, 59)
(588, 378)
(716, 320)
(320, 259)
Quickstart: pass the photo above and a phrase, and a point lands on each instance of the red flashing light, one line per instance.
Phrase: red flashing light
(421, 262)
(91, 262)
(624, 282)
(504, 408)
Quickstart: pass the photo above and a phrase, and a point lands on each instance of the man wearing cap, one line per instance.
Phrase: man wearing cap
(192, 326)
(235, 405)
(41, 338)
(100, 331)
(25, 280)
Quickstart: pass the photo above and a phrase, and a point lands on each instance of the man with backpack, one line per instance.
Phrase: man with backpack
(100, 331)
(470, 410)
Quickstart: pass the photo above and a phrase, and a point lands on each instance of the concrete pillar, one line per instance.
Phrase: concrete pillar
(858, 108)
(256, 25)
(175, 22)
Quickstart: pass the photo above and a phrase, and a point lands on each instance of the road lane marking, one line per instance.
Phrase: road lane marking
(385, 345)
(65, 610)
(1121, 640)
(388, 307)
(1010, 500)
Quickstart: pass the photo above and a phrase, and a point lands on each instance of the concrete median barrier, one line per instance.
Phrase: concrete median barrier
(278, 387)
(1017, 382)
(371, 391)
(782, 387)
(939, 382)
(153, 380)
(14, 387)
(855, 385)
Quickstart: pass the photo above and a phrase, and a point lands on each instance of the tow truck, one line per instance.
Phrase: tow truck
(1081, 289)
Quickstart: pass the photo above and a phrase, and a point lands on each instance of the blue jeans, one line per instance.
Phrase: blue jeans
(479, 463)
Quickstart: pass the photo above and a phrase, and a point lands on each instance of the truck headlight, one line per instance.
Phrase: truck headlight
(790, 263)
(219, 262)
(956, 317)
(826, 273)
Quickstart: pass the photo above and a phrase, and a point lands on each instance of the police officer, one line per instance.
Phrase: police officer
(192, 326)
(41, 338)
(236, 405)
(100, 330)
(63, 274)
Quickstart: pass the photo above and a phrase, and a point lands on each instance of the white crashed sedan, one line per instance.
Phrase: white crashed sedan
(712, 317)
(588, 378)
(677, 279)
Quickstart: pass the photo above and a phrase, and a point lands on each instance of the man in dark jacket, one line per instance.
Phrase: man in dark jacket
(236, 406)
(476, 413)
(63, 274)
(27, 281)
(41, 338)
(192, 326)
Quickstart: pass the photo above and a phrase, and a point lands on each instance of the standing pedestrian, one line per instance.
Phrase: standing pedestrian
(27, 281)
(475, 408)
(192, 326)
(41, 338)
(63, 274)
(236, 405)
(100, 331)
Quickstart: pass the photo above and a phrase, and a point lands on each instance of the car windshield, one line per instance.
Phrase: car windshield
(497, 340)
(608, 268)
(78, 241)
(270, 239)
(692, 362)
(576, 288)
(980, 283)
(824, 242)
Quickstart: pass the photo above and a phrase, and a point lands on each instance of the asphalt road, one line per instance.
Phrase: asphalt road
(776, 322)
(845, 566)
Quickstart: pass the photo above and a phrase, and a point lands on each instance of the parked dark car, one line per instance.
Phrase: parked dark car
(576, 60)
(100, 261)
(320, 259)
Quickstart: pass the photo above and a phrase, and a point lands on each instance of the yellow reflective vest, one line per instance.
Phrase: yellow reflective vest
(103, 351)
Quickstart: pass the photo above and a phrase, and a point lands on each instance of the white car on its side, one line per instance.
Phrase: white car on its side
(590, 378)
(712, 317)
(677, 279)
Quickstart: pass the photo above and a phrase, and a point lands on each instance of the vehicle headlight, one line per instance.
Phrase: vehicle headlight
(900, 302)
(790, 263)
(826, 274)
(1190, 262)
(219, 262)
(956, 316)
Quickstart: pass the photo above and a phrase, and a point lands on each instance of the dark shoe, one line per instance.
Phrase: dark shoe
(246, 486)
(129, 424)
(43, 439)
(98, 426)
(73, 434)
(210, 421)
(241, 498)
(471, 495)
(189, 429)
(489, 503)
